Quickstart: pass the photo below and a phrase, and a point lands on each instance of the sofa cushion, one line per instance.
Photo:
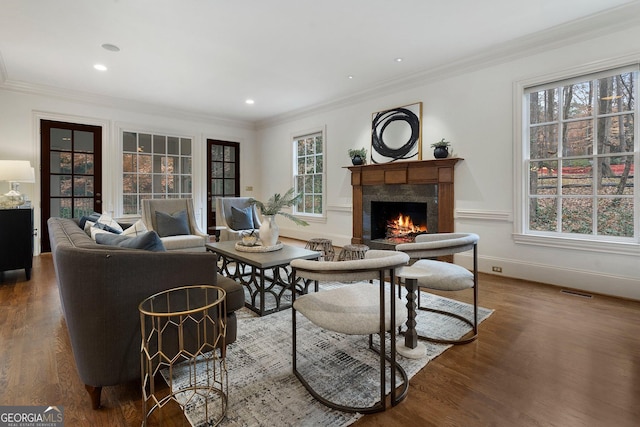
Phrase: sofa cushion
(242, 219)
(188, 243)
(234, 290)
(149, 241)
(175, 224)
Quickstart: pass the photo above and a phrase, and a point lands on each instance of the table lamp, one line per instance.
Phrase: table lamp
(15, 171)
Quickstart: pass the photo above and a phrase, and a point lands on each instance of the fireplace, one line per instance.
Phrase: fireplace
(397, 222)
(384, 203)
(422, 190)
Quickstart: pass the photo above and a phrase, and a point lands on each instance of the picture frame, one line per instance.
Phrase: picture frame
(396, 134)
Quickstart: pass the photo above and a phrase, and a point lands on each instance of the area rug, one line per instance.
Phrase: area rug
(263, 390)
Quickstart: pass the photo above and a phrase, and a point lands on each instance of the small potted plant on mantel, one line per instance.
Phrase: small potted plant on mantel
(441, 149)
(358, 156)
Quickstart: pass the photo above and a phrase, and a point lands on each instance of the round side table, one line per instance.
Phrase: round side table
(184, 329)
(351, 252)
(324, 246)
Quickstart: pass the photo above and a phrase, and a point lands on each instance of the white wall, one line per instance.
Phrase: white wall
(481, 95)
(19, 139)
(474, 110)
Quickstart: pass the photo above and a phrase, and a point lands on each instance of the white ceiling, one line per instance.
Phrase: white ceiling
(208, 56)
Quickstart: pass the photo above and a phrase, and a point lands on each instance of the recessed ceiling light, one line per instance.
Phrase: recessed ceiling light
(250, 101)
(350, 77)
(111, 47)
(398, 59)
(100, 67)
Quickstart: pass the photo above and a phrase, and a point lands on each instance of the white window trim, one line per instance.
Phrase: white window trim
(118, 207)
(309, 217)
(520, 200)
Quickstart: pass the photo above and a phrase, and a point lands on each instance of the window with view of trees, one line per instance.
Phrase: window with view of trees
(154, 167)
(581, 155)
(309, 173)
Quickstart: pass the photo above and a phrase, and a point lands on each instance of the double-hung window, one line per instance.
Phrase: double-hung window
(309, 176)
(580, 153)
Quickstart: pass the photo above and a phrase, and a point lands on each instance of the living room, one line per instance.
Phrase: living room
(474, 101)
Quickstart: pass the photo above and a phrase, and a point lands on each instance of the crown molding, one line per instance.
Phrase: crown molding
(115, 102)
(592, 26)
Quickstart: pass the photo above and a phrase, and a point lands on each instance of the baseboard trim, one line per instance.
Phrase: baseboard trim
(582, 280)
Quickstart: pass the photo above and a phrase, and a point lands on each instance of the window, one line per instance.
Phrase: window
(580, 155)
(154, 167)
(309, 173)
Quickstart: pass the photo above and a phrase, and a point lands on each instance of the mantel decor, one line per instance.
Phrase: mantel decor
(396, 134)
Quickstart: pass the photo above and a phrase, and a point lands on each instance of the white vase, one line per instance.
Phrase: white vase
(269, 231)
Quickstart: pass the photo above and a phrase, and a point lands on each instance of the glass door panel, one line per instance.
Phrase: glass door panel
(223, 170)
(71, 172)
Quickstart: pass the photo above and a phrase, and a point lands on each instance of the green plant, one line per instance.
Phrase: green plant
(441, 143)
(276, 203)
(362, 152)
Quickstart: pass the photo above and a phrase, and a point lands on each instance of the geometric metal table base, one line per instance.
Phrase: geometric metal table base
(185, 328)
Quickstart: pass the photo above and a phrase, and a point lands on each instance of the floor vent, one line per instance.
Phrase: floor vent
(576, 293)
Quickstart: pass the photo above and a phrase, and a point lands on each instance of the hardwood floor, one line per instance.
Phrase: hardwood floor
(544, 358)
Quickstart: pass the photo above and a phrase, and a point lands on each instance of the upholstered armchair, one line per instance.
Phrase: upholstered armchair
(237, 214)
(354, 309)
(444, 276)
(175, 222)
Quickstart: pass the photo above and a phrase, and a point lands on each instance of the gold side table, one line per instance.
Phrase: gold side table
(185, 326)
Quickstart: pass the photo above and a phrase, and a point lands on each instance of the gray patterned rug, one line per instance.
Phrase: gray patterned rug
(264, 392)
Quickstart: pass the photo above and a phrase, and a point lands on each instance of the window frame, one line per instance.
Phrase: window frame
(180, 176)
(584, 242)
(295, 137)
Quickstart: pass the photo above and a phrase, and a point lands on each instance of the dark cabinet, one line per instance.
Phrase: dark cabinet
(16, 240)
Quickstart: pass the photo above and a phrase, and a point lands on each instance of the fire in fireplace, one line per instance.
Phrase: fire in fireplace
(398, 222)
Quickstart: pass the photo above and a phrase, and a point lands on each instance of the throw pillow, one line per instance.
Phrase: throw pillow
(87, 227)
(105, 227)
(94, 231)
(94, 217)
(107, 220)
(172, 225)
(136, 229)
(242, 219)
(149, 241)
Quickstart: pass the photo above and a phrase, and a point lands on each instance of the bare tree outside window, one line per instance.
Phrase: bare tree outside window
(581, 157)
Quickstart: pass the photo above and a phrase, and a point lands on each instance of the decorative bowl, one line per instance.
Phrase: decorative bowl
(249, 239)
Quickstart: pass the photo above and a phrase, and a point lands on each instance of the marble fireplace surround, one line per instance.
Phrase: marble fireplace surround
(430, 181)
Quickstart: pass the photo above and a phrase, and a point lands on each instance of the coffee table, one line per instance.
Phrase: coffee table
(265, 276)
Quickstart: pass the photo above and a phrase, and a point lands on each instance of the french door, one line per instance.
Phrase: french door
(71, 184)
(223, 175)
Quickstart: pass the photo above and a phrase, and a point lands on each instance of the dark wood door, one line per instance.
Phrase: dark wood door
(71, 184)
(223, 172)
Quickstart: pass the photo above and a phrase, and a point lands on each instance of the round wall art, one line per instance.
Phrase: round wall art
(396, 134)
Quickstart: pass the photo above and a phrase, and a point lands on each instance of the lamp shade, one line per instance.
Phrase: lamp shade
(16, 171)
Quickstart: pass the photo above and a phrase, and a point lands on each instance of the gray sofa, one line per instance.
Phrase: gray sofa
(100, 289)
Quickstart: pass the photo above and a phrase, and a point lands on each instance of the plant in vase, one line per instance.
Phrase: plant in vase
(269, 230)
(358, 156)
(441, 149)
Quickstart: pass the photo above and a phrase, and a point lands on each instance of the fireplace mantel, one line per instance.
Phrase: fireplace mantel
(439, 172)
